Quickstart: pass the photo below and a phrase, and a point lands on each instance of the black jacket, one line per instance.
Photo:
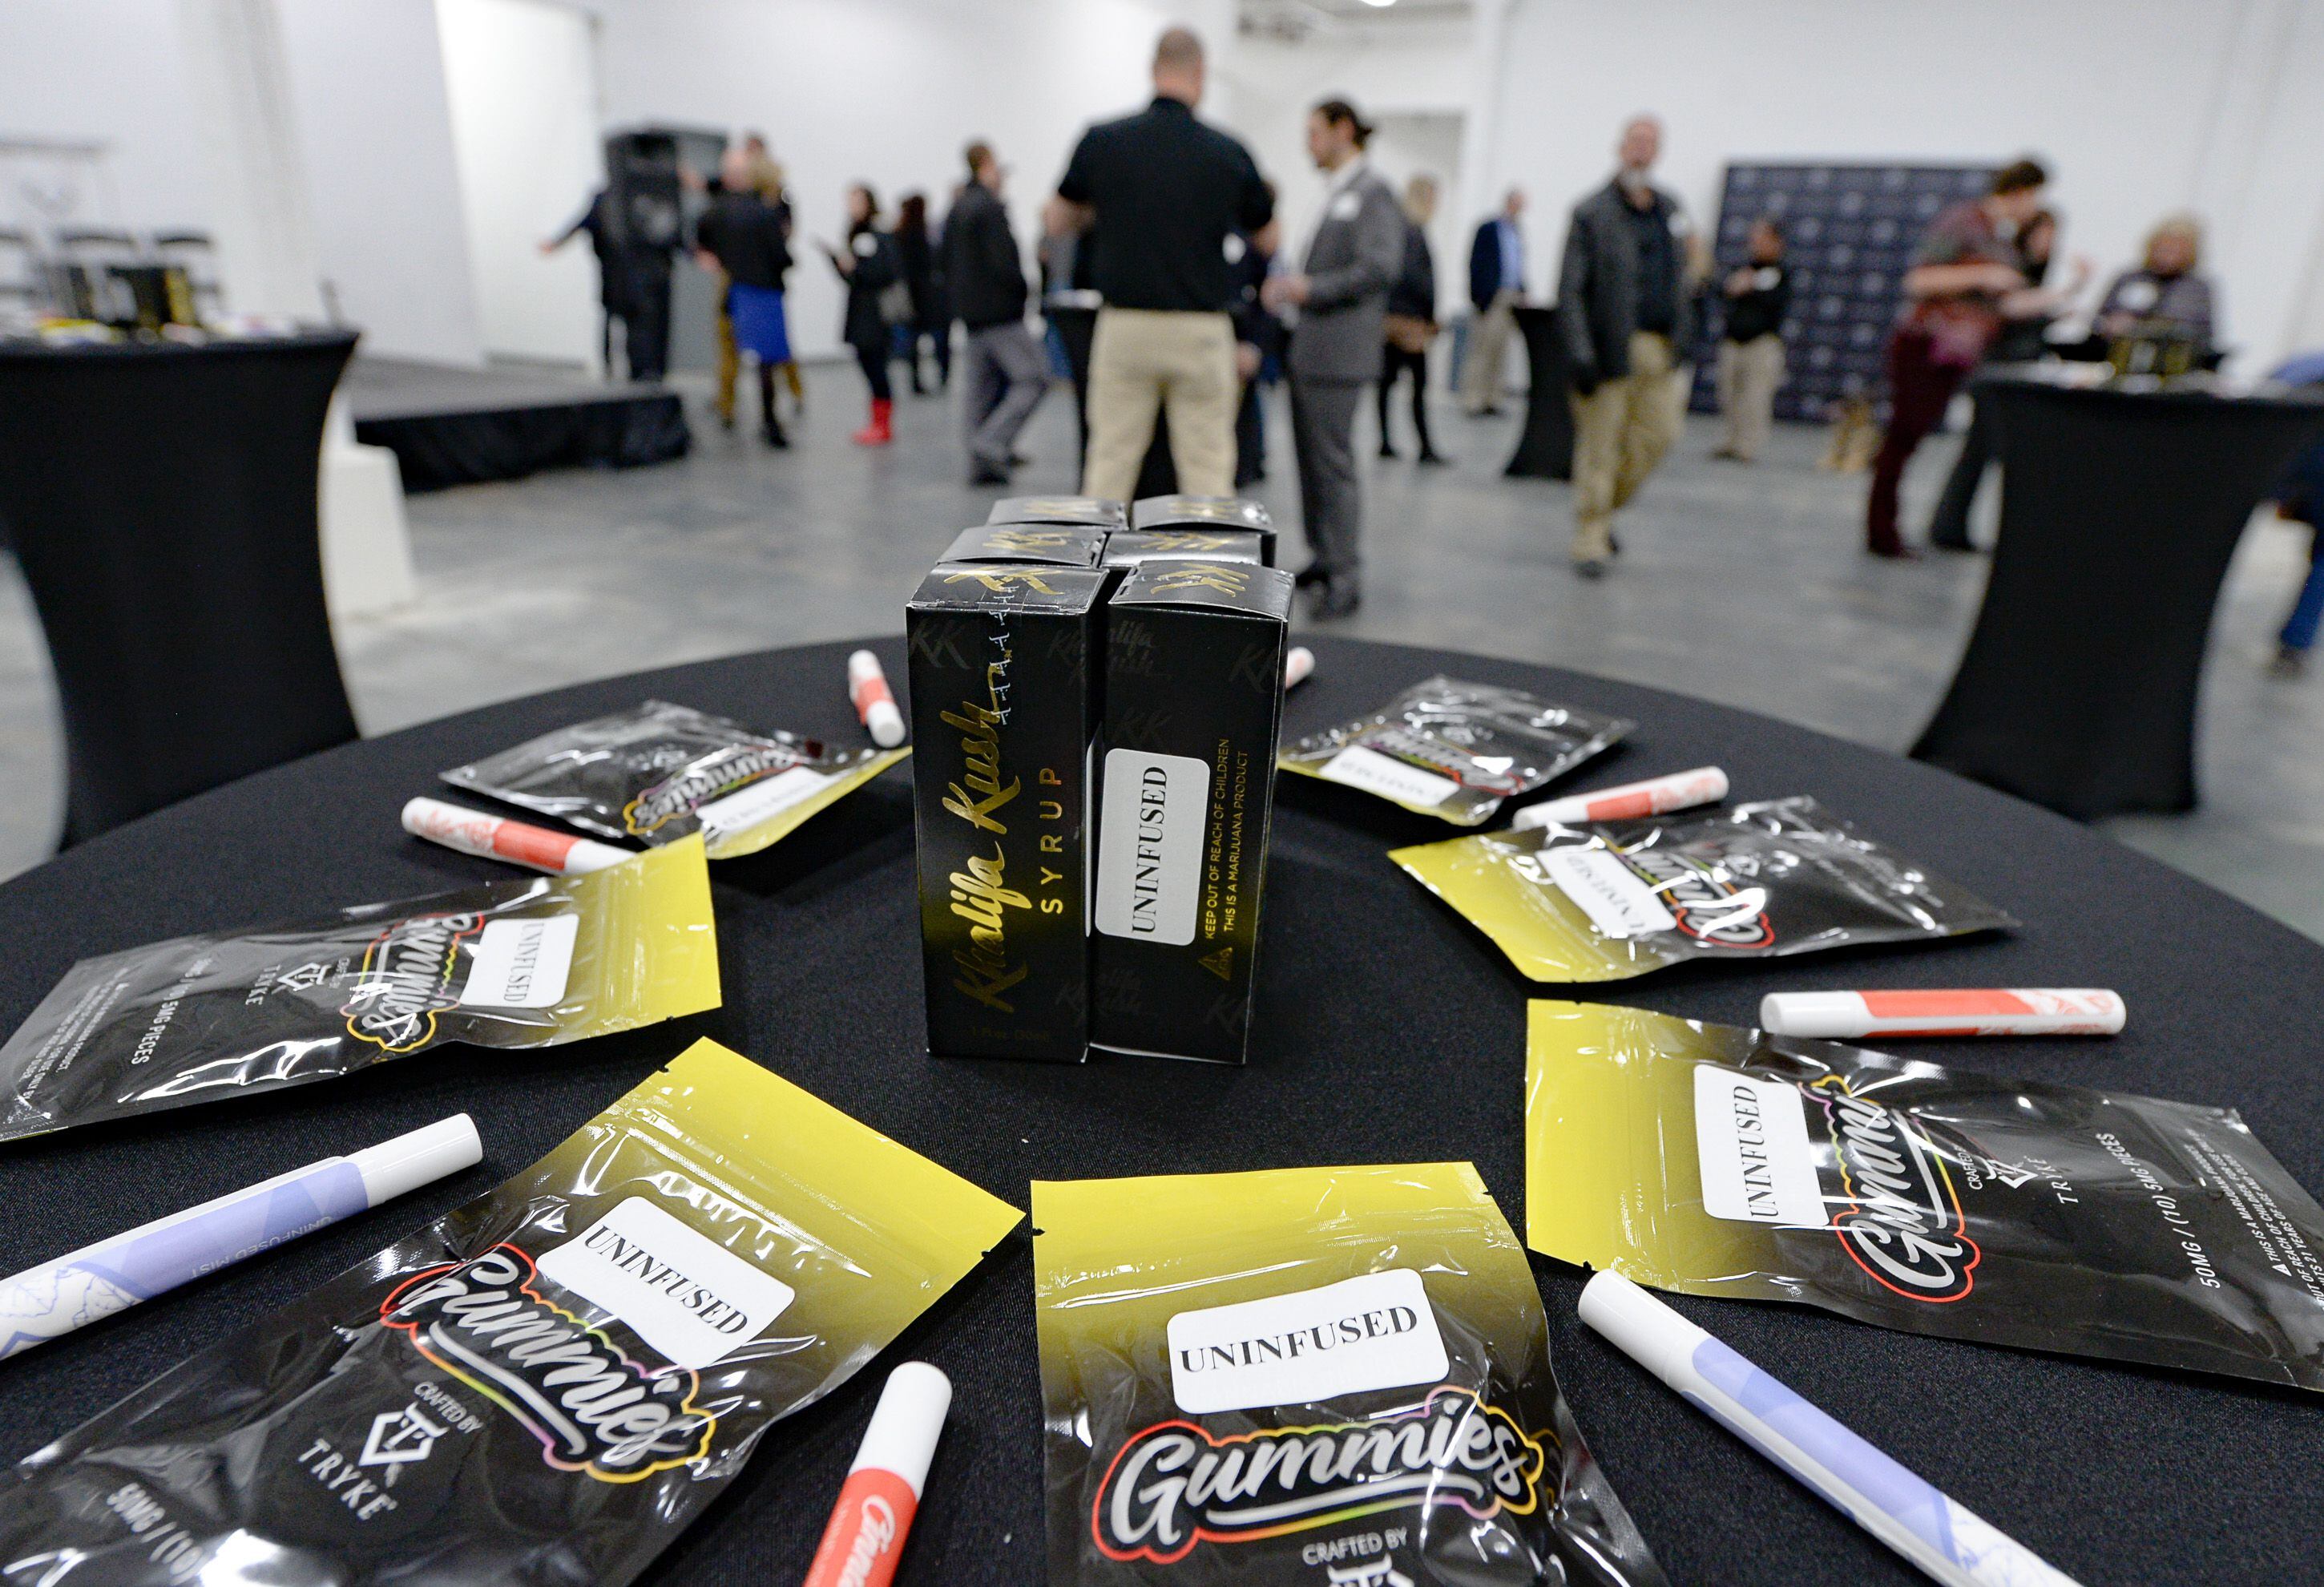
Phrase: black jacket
(1414, 291)
(1485, 281)
(877, 267)
(749, 237)
(1597, 288)
(923, 269)
(981, 265)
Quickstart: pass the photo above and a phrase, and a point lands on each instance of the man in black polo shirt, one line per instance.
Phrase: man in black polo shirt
(1159, 192)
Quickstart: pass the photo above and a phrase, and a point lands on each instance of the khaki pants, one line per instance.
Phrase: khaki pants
(1145, 360)
(730, 361)
(1620, 432)
(1748, 373)
(1488, 342)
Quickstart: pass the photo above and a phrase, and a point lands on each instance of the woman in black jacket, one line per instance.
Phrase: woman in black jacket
(870, 266)
(1411, 323)
(924, 278)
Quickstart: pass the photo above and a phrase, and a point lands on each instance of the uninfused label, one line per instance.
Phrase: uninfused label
(770, 796)
(1751, 1140)
(1373, 1332)
(1388, 777)
(1606, 890)
(521, 963)
(1149, 862)
(686, 1296)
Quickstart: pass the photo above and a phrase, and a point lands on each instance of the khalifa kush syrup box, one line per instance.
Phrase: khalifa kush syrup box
(1053, 545)
(1185, 773)
(1002, 669)
(1207, 512)
(1128, 548)
(1095, 511)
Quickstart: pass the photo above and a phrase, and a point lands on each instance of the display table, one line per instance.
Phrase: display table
(1545, 448)
(1386, 1030)
(2119, 513)
(161, 501)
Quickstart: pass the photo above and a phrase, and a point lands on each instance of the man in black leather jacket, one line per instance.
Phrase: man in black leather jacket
(1623, 306)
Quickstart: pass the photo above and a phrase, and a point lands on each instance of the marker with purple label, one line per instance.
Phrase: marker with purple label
(1943, 1538)
(96, 1281)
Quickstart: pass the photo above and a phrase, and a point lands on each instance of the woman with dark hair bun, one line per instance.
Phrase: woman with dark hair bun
(916, 250)
(870, 266)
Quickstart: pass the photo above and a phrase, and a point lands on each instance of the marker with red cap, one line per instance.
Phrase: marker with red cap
(496, 837)
(868, 1526)
(874, 703)
(1298, 663)
(2024, 1010)
(1705, 785)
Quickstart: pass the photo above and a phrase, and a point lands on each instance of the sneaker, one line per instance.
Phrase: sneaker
(2289, 663)
(1337, 599)
(985, 473)
(1593, 568)
(1435, 457)
(1310, 577)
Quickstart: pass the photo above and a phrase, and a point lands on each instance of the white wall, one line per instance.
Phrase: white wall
(520, 80)
(367, 77)
(885, 90)
(2122, 99)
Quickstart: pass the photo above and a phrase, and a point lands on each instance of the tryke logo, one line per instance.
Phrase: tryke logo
(1707, 907)
(593, 1408)
(406, 981)
(721, 774)
(1902, 1223)
(1173, 1485)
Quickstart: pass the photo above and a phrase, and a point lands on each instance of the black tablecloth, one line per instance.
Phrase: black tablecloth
(2119, 513)
(1545, 447)
(161, 500)
(1386, 1030)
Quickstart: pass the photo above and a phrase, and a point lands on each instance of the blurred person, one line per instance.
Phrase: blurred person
(1341, 295)
(2164, 295)
(1496, 287)
(1966, 274)
(1625, 299)
(1006, 375)
(2023, 338)
(1495, 291)
(869, 264)
(2300, 498)
(618, 293)
(1411, 323)
(1258, 353)
(1758, 295)
(728, 368)
(918, 250)
(742, 239)
(1159, 193)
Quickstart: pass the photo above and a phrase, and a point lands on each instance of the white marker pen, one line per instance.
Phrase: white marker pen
(875, 705)
(1705, 785)
(865, 1536)
(2023, 1011)
(1296, 665)
(97, 1280)
(496, 837)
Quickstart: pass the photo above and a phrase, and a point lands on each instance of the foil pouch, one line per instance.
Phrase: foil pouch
(658, 773)
(544, 1386)
(1312, 1375)
(1727, 1162)
(1456, 751)
(532, 961)
(1613, 900)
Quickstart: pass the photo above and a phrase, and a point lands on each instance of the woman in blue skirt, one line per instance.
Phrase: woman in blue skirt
(747, 238)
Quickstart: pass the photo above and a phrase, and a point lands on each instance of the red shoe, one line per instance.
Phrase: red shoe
(878, 432)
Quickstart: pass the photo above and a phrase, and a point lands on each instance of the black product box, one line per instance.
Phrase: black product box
(1185, 776)
(1053, 545)
(1003, 659)
(1207, 512)
(1097, 511)
(1128, 548)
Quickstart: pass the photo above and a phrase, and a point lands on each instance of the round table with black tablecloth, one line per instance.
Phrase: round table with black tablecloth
(2119, 511)
(1385, 1031)
(1546, 445)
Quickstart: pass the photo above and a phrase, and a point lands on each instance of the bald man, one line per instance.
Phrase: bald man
(1160, 192)
(1632, 263)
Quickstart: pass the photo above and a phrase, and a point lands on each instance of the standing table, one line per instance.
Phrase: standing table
(1545, 448)
(2120, 509)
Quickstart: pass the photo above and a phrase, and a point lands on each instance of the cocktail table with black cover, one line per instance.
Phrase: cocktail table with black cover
(1387, 1031)
(2119, 513)
(1546, 445)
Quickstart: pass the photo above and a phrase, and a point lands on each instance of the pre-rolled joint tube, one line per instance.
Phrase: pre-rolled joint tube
(497, 837)
(874, 701)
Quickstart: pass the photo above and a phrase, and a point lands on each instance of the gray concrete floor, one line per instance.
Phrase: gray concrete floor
(1742, 585)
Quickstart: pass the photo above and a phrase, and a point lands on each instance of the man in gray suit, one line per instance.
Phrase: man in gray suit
(1341, 295)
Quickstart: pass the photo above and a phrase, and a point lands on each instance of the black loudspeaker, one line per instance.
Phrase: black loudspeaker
(641, 179)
